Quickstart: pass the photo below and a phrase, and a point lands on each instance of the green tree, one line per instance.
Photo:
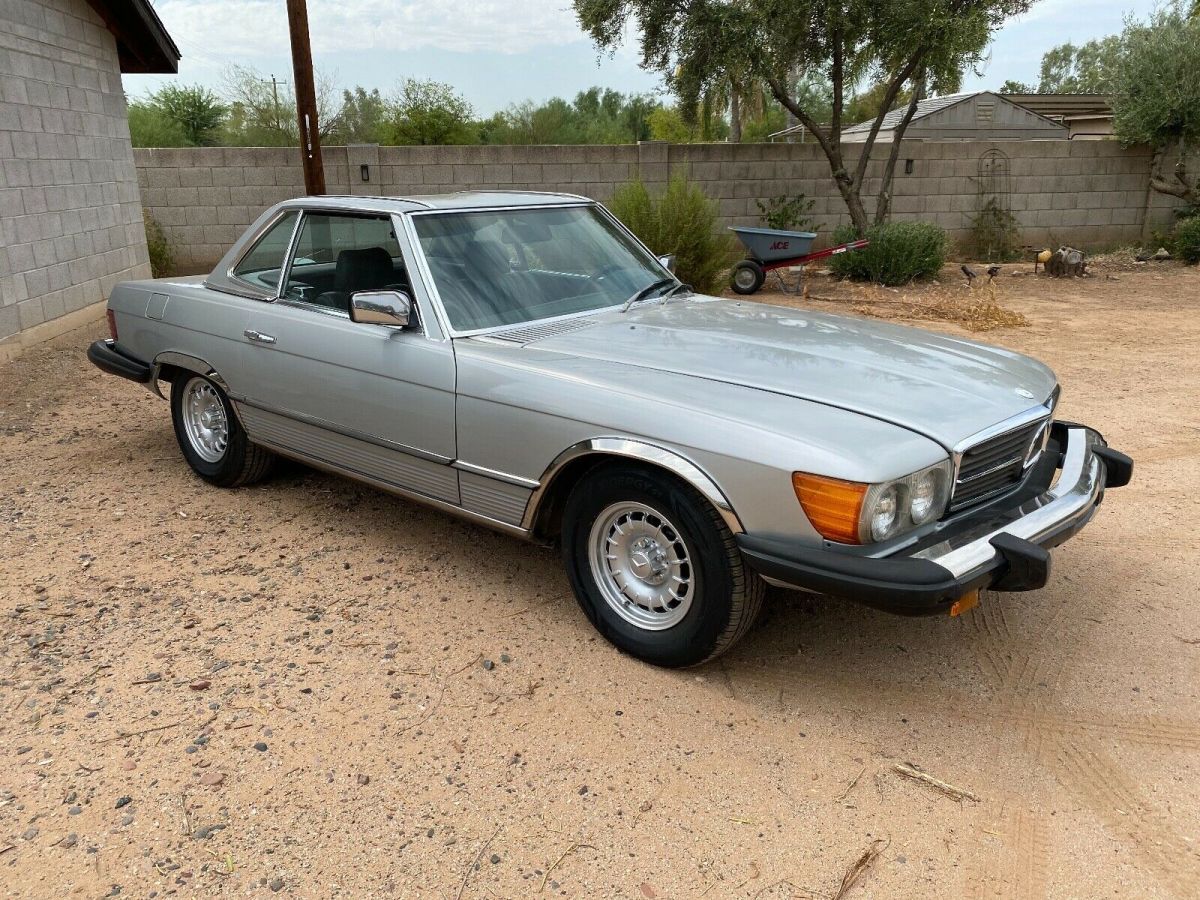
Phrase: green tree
(362, 116)
(666, 124)
(262, 110)
(1016, 87)
(869, 104)
(1156, 95)
(1086, 69)
(196, 110)
(595, 116)
(759, 129)
(909, 43)
(429, 112)
(148, 127)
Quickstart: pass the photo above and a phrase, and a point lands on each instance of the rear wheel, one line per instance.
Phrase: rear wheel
(655, 568)
(747, 277)
(212, 440)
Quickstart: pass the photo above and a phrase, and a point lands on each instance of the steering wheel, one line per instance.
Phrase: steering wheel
(299, 290)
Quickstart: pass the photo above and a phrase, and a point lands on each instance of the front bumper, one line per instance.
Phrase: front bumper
(1004, 549)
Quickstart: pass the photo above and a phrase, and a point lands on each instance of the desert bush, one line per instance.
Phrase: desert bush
(680, 221)
(787, 213)
(1186, 240)
(994, 235)
(898, 253)
(162, 255)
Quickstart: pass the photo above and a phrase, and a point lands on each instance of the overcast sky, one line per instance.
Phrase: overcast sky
(497, 53)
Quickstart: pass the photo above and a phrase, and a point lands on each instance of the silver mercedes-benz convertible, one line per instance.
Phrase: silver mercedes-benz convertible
(522, 360)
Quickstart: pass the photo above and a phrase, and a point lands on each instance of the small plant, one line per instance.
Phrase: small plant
(897, 253)
(680, 221)
(162, 255)
(787, 213)
(1185, 243)
(994, 235)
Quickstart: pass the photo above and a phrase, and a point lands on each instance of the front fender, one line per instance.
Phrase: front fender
(642, 451)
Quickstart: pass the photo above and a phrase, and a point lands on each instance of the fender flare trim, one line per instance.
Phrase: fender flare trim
(194, 364)
(189, 362)
(642, 451)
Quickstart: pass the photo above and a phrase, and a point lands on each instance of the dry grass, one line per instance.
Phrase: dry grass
(975, 310)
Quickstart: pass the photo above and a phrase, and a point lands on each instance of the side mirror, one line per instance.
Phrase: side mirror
(381, 308)
(668, 262)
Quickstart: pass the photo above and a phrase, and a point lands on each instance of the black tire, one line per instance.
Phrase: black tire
(726, 595)
(747, 277)
(242, 462)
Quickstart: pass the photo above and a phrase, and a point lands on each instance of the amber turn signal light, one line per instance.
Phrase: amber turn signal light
(832, 505)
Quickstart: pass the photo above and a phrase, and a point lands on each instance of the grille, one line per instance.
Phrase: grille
(537, 332)
(994, 465)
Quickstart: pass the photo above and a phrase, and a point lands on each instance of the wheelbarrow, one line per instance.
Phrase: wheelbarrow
(769, 249)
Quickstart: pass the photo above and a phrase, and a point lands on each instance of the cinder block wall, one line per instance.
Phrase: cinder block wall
(1092, 194)
(70, 220)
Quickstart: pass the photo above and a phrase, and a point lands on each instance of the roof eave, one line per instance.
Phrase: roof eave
(143, 44)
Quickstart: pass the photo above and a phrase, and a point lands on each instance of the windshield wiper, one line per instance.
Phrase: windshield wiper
(646, 291)
(667, 295)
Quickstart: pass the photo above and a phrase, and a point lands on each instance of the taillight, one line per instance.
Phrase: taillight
(112, 323)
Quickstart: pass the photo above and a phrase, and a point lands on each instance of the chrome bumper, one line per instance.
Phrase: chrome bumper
(1067, 505)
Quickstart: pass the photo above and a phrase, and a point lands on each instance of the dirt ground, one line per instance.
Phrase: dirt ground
(312, 688)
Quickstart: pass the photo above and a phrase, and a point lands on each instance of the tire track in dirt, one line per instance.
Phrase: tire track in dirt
(1014, 867)
(1097, 781)
(1027, 674)
(991, 626)
(1067, 744)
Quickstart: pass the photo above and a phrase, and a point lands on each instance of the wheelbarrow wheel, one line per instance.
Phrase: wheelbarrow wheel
(748, 277)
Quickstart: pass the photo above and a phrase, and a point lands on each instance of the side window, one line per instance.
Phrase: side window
(337, 255)
(262, 266)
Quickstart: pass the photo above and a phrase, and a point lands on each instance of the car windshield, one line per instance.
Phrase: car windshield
(505, 267)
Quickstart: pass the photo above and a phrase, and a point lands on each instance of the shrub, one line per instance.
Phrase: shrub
(898, 253)
(1186, 240)
(994, 234)
(680, 221)
(787, 213)
(162, 256)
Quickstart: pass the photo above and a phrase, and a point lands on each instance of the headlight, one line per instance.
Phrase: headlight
(926, 496)
(885, 513)
(851, 512)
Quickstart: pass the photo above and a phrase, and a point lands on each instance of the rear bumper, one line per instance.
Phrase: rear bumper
(1004, 549)
(107, 357)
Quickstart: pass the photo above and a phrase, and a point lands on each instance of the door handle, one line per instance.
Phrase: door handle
(258, 337)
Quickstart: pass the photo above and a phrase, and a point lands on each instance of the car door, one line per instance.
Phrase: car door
(374, 400)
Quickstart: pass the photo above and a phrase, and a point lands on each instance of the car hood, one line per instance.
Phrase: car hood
(943, 387)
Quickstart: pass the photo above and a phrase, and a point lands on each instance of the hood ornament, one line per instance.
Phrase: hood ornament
(1021, 392)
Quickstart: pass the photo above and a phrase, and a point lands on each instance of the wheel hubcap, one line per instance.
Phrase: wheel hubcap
(745, 277)
(204, 420)
(642, 566)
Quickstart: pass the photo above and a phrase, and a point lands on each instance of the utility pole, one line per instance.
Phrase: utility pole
(306, 98)
(274, 83)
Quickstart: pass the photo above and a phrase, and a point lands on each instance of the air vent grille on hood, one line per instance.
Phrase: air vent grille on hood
(536, 332)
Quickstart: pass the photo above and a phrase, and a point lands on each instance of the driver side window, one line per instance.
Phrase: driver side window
(337, 255)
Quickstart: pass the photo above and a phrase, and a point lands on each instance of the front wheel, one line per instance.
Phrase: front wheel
(655, 568)
(212, 440)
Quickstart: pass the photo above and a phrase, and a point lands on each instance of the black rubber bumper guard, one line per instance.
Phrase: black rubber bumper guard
(916, 586)
(107, 357)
